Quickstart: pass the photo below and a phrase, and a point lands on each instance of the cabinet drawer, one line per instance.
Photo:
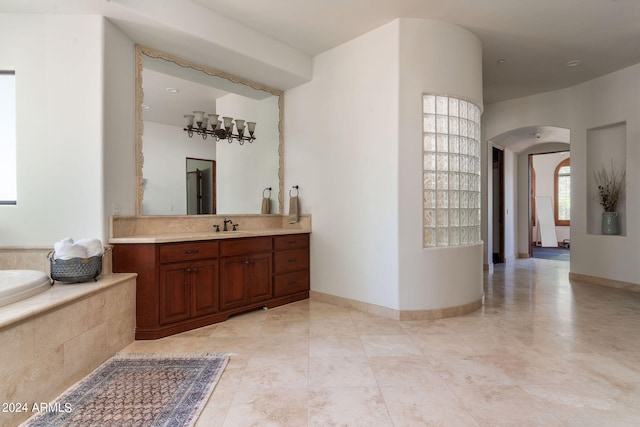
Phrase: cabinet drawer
(291, 283)
(291, 241)
(288, 261)
(245, 246)
(186, 251)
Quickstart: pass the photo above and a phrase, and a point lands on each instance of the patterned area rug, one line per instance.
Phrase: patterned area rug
(138, 390)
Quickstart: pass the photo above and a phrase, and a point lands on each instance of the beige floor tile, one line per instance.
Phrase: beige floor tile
(406, 371)
(335, 346)
(541, 352)
(342, 326)
(471, 370)
(340, 372)
(389, 345)
(285, 327)
(275, 373)
(504, 406)
(281, 346)
(586, 404)
(348, 406)
(425, 406)
(269, 407)
(435, 345)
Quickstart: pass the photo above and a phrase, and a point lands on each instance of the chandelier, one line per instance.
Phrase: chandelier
(220, 129)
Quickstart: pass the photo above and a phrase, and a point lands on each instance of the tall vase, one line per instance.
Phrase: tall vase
(610, 223)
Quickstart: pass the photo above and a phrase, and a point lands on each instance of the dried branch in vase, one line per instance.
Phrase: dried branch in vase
(610, 186)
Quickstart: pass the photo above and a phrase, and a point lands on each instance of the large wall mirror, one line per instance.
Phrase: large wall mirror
(167, 88)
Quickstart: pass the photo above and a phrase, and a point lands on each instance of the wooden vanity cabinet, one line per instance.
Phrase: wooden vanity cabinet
(188, 290)
(291, 265)
(189, 277)
(177, 287)
(187, 285)
(245, 272)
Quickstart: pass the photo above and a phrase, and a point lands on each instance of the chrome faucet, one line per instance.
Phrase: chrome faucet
(226, 221)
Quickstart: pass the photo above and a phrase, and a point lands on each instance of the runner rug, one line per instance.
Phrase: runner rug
(138, 390)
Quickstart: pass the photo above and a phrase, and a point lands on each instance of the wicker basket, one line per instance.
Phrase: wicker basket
(75, 270)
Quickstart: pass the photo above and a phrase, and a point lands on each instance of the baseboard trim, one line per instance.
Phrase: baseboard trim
(522, 255)
(393, 314)
(601, 281)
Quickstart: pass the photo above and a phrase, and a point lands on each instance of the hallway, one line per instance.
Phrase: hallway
(542, 351)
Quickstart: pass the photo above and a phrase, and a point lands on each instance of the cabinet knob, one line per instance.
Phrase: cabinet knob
(191, 251)
(247, 262)
(195, 269)
(188, 270)
(291, 260)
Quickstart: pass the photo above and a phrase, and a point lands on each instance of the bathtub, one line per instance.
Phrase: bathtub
(16, 285)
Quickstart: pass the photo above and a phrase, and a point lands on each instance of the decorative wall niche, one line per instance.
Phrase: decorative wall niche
(606, 146)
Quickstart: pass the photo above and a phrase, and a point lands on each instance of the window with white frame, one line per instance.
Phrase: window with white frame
(8, 186)
(451, 171)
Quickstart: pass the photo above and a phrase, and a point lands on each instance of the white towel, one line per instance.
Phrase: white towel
(294, 209)
(65, 250)
(93, 247)
(266, 206)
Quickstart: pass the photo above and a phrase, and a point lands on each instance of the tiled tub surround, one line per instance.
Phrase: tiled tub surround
(157, 229)
(51, 340)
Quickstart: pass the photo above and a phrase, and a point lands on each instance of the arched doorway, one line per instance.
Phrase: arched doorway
(514, 202)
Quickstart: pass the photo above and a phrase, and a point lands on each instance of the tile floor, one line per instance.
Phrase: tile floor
(542, 351)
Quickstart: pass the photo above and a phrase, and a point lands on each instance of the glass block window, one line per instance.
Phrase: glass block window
(451, 171)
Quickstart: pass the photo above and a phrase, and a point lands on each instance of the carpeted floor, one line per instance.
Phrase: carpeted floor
(138, 390)
(562, 254)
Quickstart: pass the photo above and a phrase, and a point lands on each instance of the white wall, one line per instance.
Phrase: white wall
(166, 149)
(435, 58)
(353, 142)
(59, 66)
(244, 171)
(341, 148)
(510, 207)
(611, 99)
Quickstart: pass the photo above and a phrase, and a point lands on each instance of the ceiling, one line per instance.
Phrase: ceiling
(535, 38)
(520, 139)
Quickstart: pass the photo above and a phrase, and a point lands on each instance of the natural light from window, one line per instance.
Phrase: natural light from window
(562, 180)
(8, 187)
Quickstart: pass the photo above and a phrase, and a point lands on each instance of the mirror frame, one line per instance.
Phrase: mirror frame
(141, 51)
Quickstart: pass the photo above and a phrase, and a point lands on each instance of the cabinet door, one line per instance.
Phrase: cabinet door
(259, 277)
(204, 287)
(175, 293)
(233, 276)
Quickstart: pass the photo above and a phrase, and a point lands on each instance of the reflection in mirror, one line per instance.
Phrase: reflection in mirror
(201, 189)
(169, 88)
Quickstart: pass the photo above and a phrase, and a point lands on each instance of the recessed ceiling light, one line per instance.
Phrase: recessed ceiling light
(172, 90)
(573, 63)
(501, 61)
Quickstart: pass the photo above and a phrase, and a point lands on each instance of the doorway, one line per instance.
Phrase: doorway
(550, 182)
(201, 186)
(498, 206)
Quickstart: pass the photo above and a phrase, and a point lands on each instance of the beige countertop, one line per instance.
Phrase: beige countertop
(209, 235)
